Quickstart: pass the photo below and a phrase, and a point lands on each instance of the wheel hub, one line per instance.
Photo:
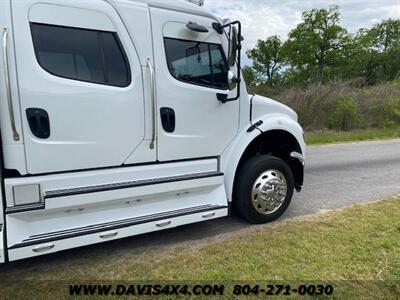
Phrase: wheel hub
(269, 192)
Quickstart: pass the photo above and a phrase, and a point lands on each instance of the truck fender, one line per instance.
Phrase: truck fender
(231, 157)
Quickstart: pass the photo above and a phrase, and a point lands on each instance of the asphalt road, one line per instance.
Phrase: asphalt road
(336, 176)
(342, 174)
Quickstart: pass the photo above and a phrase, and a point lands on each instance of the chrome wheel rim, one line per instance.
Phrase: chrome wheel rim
(269, 192)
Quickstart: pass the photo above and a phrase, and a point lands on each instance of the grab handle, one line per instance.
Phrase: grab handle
(8, 85)
(153, 102)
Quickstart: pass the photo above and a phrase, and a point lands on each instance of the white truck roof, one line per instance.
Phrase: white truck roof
(175, 5)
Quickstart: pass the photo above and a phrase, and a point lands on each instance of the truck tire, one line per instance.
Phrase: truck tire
(263, 189)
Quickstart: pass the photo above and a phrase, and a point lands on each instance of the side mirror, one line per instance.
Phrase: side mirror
(234, 57)
(233, 46)
(232, 80)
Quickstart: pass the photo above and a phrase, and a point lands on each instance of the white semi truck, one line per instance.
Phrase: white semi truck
(122, 117)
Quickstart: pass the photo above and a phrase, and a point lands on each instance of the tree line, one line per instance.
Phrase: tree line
(320, 49)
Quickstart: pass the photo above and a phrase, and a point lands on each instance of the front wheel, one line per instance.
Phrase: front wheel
(263, 189)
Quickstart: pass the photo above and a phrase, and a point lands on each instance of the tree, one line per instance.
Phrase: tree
(315, 48)
(267, 59)
(385, 36)
(378, 50)
(320, 49)
(249, 76)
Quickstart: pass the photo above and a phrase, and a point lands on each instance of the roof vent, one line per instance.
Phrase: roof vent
(197, 2)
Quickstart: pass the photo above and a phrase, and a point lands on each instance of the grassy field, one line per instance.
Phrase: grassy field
(357, 249)
(327, 137)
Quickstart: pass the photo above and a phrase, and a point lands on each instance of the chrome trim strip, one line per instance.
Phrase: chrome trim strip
(65, 234)
(153, 103)
(126, 185)
(8, 85)
(25, 208)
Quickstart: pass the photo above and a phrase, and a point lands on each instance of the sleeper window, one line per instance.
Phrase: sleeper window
(81, 54)
(197, 62)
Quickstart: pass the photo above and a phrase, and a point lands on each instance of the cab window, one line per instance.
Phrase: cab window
(197, 63)
(81, 54)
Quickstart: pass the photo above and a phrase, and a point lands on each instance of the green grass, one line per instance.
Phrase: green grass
(328, 137)
(357, 249)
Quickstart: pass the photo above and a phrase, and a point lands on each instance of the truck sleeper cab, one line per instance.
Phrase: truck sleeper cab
(122, 117)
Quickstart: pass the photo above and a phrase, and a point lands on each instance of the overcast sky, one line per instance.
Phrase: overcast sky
(262, 18)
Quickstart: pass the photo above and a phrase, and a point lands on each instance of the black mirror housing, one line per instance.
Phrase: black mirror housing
(218, 27)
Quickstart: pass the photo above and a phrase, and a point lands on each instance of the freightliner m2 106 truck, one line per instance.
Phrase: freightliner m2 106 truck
(122, 117)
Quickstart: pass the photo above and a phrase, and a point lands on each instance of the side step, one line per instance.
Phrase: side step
(65, 234)
(58, 241)
(50, 213)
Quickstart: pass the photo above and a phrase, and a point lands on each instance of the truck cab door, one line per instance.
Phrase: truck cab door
(191, 77)
(81, 86)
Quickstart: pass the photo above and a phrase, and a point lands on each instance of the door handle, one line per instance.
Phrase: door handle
(8, 85)
(168, 119)
(39, 123)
